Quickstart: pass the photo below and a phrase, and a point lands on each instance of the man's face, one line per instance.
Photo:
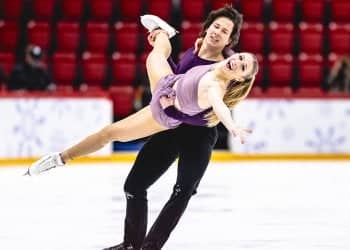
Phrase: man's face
(218, 33)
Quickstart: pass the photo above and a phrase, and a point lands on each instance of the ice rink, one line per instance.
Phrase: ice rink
(239, 206)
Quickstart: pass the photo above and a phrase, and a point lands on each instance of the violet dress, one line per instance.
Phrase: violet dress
(186, 93)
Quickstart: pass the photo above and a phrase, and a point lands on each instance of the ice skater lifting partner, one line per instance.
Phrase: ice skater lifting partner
(218, 87)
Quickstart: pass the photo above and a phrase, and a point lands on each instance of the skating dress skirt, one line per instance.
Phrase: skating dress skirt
(164, 88)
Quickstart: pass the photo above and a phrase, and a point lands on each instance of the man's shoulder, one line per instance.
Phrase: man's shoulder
(189, 53)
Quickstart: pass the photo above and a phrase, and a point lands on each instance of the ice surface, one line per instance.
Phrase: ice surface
(239, 206)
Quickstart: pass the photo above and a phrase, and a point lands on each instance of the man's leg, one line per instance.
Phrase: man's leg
(155, 157)
(193, 161)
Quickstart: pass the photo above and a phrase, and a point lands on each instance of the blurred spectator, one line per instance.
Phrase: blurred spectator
(32, 73)
(339, 76)
(2, 76)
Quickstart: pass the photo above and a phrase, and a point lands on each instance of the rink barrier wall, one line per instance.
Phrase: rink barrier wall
(32, 124)
(294, 124)
(282, 112)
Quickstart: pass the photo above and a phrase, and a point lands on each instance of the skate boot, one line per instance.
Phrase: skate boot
(152, 22)
(149, 246)
(45, 163)
(120, 247)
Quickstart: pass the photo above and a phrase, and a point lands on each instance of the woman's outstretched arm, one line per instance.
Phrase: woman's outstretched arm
(224, 113)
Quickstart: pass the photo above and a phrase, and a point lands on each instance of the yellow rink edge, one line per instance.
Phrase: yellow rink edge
(218, 156)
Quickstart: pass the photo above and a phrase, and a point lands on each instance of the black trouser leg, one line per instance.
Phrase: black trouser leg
(135, 224)
(193, 161)
(167, 219)
(153, 160)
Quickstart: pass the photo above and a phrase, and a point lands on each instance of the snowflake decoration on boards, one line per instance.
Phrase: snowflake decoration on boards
(347, 112)
(27, 126)
(60, 107)
(274, 109)
(253, 146)
(326, 140)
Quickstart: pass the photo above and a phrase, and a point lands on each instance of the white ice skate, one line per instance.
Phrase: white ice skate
(152, 22)
(45, 163)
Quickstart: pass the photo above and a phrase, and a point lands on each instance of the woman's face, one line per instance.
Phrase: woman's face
(218, 33)
(239, 66)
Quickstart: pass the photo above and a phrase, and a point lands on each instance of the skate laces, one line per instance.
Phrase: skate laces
(48, 163)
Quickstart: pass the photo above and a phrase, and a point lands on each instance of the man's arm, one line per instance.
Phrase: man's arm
(196, 120)
(167, 103)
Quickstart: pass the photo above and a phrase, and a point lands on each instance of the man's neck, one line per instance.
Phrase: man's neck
(210, 53)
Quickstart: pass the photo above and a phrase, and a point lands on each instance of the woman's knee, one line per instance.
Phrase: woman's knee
(114, 132)
(157, 55)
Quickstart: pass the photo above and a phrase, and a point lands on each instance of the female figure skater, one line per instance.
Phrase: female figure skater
(219, 86)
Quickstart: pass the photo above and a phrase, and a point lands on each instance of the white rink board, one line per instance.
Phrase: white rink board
(293, 126)
(32, 127)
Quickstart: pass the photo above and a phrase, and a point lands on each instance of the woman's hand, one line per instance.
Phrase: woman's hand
(152, 36)
(166, 101)
(237, 131)
(198, 44)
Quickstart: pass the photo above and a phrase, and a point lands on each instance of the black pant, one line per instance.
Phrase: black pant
(193, 146)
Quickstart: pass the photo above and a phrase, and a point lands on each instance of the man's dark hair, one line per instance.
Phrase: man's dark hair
(229, 12)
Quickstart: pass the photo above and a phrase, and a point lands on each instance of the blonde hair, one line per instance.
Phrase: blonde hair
(236, 92)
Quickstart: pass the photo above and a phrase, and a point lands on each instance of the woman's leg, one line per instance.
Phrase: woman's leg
(157, 63)
(135, 126)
